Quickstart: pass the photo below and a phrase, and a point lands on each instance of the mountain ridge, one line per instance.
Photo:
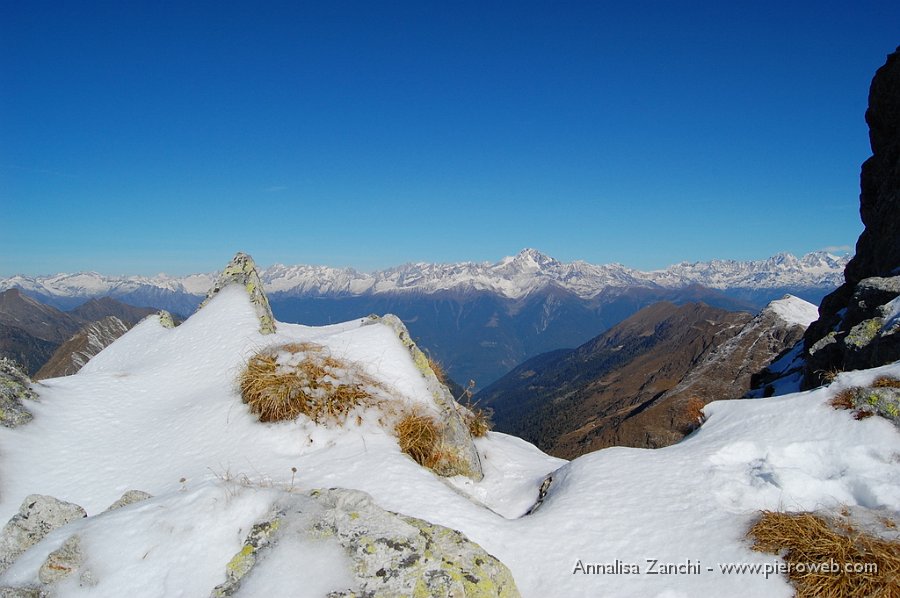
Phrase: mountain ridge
(512, 277)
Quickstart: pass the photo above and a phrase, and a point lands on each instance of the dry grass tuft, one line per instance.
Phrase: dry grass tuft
(844, 399)
(812, 546)
(829, 376)
(688, 415)
(420, 437)
(478, 420)
(281, 383)
(438, 369)
(886, 382)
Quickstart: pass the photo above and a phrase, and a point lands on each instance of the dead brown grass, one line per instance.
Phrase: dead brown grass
(886, 382)
(320, 386)
(419, 437)
(438, 369)
(844, 399)
(688, 415)
(807, 541)
(829, 376)
(478, 420)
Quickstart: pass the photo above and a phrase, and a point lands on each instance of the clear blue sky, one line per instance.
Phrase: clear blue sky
(145, 137)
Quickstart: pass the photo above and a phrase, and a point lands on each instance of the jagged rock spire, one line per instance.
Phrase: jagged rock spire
(242, 270)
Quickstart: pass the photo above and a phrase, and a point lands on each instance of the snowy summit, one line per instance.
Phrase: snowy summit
(240, 507)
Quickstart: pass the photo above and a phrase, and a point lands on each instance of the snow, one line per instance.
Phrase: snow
(158, 411)
(794, 310)
(892, 314)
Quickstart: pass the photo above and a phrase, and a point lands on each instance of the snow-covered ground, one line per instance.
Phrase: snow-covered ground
(159, 411)
(794, 310)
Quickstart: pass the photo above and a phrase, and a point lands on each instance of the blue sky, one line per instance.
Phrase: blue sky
(164, 136)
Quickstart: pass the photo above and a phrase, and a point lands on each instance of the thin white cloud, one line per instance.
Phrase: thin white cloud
(837, 248)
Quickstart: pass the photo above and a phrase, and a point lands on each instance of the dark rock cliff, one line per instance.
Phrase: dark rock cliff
(853, 330)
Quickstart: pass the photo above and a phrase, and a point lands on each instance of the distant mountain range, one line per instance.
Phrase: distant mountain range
(479, 319)
(512, 278)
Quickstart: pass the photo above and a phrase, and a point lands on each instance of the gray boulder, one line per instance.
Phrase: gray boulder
(390, 554)
(128, 498)
(242, 271)
(38, 516)
(15, 387)
(62, 562)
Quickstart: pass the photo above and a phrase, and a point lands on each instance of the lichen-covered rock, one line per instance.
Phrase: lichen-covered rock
(388, 554)
(242, 271)
(396, 555)
(165, 319)
(38, 516)
(861, 336)
(863, 333)
(461, 456)
(62, 562)
(261, 536)
(877, 401)
(15, 387)
(128, 498)
(9, 592)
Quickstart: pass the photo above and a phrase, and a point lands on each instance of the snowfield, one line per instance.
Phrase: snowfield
(159, 411)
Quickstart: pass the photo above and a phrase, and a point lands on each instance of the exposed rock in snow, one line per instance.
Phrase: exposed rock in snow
(459, 454)
(242, 271)
(62, 562)
(37, 516)
(15, 387)
(861, 333)
(387, 554)
(165, 319)
(129, 498)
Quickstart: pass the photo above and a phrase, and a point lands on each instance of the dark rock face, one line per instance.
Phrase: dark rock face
(878, 247)
(849, 334)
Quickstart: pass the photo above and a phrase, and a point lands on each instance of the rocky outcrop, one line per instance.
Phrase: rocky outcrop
(843, 336)
(15, 387)
(129, 498)
(864, 333)
(38, 516)
(389, 554)
(165, 319)
(242, 271)
(459, 455)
